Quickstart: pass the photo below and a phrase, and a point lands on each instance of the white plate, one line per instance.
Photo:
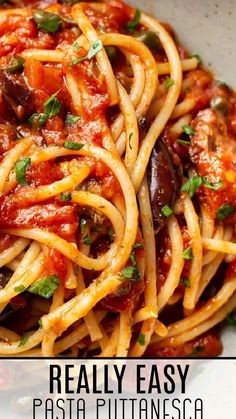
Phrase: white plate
(206, 27)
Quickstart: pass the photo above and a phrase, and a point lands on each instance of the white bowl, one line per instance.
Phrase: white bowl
(206, 27)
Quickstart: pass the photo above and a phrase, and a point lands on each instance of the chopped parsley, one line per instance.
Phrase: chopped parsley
(72, 119)
(183, 142)
(23, 341)
(132, 272)
(138, 245)
(82, 224)
(52, 106)
(65, 196)
(76, 46)
(20, 168)
(185, 281)
(48, 22)
(128, 272)
(192, 185)
(19, 289)
(86, 239)
(37, 120)
(45, 287)
(73, 146)
(132, 25)
(15, 64)
(167, 211)
(141, 339)
(169, 82)
(187, 254)
(224, 211)
(188, 130)
(95, 48)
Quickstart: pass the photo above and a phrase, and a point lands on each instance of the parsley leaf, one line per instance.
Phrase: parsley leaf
(167, 211)
(73, 146)
(187, 254)
(19, 289)
(20, 168)
(15, 64)
(86, 239)
(65, 196)
(224, 211)
(127, 272)
(82, 223)
(188, 130)
(95, 48)
(183, 142)
(169, 82)
(23, 341)
(52, 106)
(185, 281)
(137, 245)
(131, 26)
(141, 339)
(211, 185)
(72, 119)
(192, 185)
(37, 120)
(45, 287)
(49, 22)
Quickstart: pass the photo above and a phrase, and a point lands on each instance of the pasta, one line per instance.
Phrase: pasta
(117, 181)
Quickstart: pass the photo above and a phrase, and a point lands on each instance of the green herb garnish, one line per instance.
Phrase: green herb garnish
(19, 289)
(167, 211)
(132, 25)
(224, 211)
(141, 339)
(73, 146)
(20, 168)
(86, 239)
(23, 341)
(15, 64)
(65, 196)
(185, 281)
(72, 119)
(45, 287)
(169, 82)
(48, 22)
(187, 254)
(188, 130)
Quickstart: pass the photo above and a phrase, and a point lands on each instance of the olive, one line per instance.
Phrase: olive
(112, 54)
(220, 104)
(164, 180)
(149, 38)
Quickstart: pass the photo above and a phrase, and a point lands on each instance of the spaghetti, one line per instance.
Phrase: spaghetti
(117, 181)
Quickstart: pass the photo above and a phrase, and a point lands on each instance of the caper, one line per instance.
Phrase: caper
(49, 22)
(149, 38)
(220, 104)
